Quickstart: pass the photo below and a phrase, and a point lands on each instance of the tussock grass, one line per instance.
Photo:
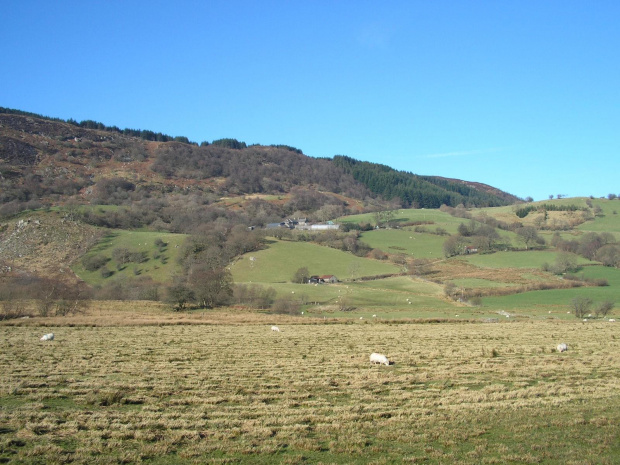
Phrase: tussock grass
(239, 393)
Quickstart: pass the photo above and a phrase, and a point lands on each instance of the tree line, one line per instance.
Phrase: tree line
(415, 191)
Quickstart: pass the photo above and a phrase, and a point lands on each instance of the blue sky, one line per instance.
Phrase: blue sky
(521, 95)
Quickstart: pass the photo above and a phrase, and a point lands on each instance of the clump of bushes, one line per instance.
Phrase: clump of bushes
(94, 262)
(286, 306)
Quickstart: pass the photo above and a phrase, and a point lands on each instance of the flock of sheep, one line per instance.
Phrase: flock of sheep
(375, 358)
(380, 359)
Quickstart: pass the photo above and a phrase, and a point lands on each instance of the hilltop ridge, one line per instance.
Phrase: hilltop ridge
(48, 161)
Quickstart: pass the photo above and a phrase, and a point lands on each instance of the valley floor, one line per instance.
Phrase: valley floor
(221, 387)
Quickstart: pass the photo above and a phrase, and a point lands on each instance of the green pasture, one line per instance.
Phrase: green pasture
(279, 262)
(403, 284)
(437, 217)
(394, 241)
(608, 221)
(360, 295)
(319, 294)
(396, 297)
(580, 202)
(558, 300)
(476, 283)
(421, 307)
(523, 259)
(159, 265)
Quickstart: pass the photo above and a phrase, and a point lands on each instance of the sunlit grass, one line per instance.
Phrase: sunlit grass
(456, 393)
(559, 299)
(523, 259)
(479, 283)
(280, 261)
(403, 215)
(395, 241)
(160, 265)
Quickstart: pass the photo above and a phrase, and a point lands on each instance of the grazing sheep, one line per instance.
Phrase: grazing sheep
(275, 328)
(374, 316)
(612, 320)
(562, 347)
(48, 337)
(379, 358)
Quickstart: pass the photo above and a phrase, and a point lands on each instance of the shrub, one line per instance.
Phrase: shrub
(94, 262)
(378, 254)
(301, 275)
(254, 295)
(106, 272)
(580, 306)
(451, 291)
(604, 308)
(10, 309)
(138, 257)
(285, 306)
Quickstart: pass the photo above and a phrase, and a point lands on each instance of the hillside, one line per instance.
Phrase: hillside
(132, 214)
(45, 161)
(422, 191)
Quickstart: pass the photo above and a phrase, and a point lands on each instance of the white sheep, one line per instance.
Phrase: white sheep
(612, 320)
(275, 328)
(562, 347)
(48, 337)
(379, 358)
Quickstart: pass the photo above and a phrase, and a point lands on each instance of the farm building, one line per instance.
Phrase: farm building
(328, 278)
(302, 223)
(324, 227)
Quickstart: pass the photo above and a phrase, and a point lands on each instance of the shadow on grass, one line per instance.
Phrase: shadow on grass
(105, 242)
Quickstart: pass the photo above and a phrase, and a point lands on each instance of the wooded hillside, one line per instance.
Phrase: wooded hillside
(48, 161)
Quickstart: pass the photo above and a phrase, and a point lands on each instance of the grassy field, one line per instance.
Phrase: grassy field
(400, 216)
(523, 259)
(479, 283)
(281, 259)
(160, 262)
(394, 241)
(558, 300)
(609, 221)
(240, 393)
(505, 270)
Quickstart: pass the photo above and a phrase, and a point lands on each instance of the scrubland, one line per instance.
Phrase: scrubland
(236, 392)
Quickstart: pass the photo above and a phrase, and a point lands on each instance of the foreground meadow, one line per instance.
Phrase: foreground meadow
(240, 393)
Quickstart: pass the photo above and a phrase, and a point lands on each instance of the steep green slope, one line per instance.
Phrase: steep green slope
(422, 191)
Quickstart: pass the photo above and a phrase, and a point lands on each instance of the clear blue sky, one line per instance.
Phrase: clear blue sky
(522, 95)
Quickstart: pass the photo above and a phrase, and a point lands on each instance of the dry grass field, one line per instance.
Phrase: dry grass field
(165, 391)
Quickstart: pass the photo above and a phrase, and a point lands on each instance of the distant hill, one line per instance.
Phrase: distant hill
(422, 191)
(48, 161)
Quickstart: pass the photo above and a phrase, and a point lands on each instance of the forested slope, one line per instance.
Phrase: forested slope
(421, 191)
